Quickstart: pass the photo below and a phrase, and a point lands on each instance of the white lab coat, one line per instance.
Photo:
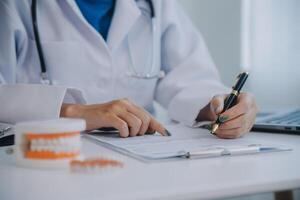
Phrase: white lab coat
(86, 69)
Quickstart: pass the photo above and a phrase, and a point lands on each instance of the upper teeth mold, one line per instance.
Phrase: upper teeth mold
(48, 144)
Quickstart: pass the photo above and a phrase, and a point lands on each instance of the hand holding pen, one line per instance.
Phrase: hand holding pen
(234, 114)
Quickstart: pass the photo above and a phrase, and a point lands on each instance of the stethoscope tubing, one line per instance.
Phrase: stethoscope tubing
(44, 76)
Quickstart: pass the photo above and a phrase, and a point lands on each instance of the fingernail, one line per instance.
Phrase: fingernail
(217, 109)
(167, 133)
(207, 126)
(223, 118)
(149, 132)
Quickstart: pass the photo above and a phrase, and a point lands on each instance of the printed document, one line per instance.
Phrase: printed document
(182, 141)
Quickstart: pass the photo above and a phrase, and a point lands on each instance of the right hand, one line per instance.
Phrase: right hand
(123, 115)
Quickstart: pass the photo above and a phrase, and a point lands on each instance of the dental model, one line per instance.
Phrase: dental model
(48, 144)
(95, 165)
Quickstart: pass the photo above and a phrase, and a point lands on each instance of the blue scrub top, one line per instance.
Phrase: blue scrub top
(98, 13)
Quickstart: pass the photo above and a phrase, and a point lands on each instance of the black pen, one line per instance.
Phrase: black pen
(231, 99)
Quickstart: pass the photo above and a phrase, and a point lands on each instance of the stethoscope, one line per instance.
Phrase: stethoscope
(132, 70)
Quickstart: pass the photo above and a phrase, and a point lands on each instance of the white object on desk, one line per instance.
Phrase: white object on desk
(184, 142)
(48, 143)
(178, 180)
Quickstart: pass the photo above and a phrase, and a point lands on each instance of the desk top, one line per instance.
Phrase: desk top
(183, 179)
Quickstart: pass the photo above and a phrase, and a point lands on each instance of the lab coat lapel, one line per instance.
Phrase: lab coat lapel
(93, 36)
(126, 14)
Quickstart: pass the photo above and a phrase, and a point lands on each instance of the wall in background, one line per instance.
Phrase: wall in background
(219, 23)
(272, 51)
(261, 36)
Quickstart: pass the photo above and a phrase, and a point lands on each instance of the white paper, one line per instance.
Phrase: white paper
(183, 140)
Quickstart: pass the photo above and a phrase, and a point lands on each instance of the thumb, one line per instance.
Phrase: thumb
(217, 104)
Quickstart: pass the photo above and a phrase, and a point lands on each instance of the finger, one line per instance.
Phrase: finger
(231, 133)
(134, 123)
(156, 126)
(217, 104)
(243, 105)
(239, 122)
(116, 122)
(143, 115)
(147, 120)
(150, 131)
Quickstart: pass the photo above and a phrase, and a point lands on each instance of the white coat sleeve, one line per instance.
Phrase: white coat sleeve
(192, 78)
(23, 102)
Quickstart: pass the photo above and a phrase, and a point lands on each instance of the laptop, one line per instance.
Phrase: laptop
(280, 122)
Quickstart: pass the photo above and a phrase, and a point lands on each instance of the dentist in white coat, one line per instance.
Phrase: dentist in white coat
(105, 64)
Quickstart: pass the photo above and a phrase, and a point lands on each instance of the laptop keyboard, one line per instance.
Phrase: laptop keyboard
(292, 118)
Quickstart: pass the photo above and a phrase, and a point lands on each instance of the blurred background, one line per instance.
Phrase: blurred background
(260, 36)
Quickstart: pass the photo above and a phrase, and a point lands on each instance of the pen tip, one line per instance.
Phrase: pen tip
(214, 128)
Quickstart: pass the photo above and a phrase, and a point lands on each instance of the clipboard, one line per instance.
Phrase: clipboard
(185, 143)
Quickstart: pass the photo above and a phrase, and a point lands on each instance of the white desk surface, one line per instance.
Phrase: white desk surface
(187, 179)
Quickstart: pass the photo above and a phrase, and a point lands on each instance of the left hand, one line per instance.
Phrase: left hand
(238, 120)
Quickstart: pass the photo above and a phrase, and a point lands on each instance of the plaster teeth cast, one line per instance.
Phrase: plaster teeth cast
(53, 146)
(48, 144)
(95, 165)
